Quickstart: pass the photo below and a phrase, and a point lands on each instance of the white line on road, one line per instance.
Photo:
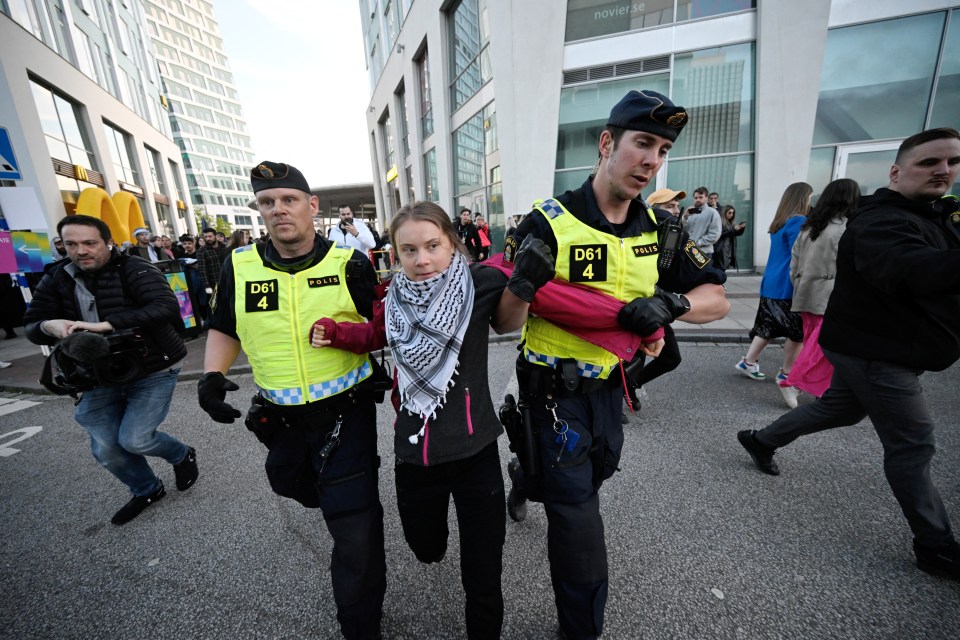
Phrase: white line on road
(10, 405)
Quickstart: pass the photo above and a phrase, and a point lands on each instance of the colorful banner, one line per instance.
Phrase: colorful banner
(8, 261)
(178, 283)
(31, 251)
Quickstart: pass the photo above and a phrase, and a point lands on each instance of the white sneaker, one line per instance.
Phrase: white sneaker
(752, 371)
(4, 365)
(790, 394)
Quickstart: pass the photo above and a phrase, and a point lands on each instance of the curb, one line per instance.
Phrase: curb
(731, 337)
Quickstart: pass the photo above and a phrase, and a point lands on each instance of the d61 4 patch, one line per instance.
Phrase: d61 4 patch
(262, 296)
(588, 263)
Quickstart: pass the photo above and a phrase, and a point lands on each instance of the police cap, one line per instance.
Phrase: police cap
(648, 111)
(276, 175)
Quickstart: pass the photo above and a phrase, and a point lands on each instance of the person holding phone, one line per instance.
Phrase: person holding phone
(725, 250)
(352, 233)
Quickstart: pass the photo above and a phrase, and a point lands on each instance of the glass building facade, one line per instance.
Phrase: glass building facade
(205, 109)
(884, 73)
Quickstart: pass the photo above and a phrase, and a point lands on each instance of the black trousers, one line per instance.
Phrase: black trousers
(893, 398)
(476, 485)
(568, 489)
(346, 489)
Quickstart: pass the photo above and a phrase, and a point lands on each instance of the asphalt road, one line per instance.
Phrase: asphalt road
(701, 544)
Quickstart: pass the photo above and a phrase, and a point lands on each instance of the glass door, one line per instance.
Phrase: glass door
(869, 164)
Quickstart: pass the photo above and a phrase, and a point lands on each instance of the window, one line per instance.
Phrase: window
(946, 102)
(66, 139)
(430, 171)
(583, 115)
(121, 152)
(592, 18)
(25, 12)
(426, 103)
(469, 37)
(716, 88)
(389, 148)
(881, 95)
(154, 164)
(402, 122)
(730, 176)
(476, 170)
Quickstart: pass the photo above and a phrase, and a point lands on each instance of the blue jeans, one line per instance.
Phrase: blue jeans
(122, 422)
(893, 398)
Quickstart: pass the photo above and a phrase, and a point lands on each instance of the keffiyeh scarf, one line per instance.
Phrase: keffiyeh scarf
(425, 323)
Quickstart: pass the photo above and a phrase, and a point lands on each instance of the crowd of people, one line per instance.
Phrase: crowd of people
(310, 311)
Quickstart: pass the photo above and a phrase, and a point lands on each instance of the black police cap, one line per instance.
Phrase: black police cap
(276, 175)
(648, 111)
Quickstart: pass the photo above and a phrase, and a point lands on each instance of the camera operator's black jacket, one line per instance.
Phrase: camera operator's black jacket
(130, 292)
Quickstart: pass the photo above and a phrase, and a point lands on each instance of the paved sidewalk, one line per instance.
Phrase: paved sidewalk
(742, 291)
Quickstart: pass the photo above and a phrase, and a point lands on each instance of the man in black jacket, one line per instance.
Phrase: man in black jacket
(101, 291)
(893, 314)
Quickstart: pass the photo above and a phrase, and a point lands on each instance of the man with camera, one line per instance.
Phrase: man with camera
(314, 409)
(352, 233)
(127, 300)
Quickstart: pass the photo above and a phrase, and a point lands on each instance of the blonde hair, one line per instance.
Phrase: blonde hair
(795, 201)
(426, 211)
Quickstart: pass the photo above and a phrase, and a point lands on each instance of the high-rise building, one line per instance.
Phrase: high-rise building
(205, 111)
(496, 103)
(81, 102)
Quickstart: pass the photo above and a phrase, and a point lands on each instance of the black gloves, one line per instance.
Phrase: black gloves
(643, 316)
(212, 389)
(533, 267)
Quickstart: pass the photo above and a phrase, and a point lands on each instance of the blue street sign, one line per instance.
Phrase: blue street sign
(9, 170)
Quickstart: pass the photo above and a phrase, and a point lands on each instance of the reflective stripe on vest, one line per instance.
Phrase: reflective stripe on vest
(625, 268)
(275, 311)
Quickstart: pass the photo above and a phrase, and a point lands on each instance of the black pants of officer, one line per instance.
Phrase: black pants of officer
(345, 488)
(893, 398)
(476, 485)
(570, 479)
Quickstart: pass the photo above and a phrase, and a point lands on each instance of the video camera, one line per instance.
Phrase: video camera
(85, 360)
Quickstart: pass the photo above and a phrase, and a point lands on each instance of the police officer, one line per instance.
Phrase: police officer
(603, 237)
(314, 410)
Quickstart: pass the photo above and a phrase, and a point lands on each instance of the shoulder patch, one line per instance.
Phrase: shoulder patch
(696, 256)
(509, 249)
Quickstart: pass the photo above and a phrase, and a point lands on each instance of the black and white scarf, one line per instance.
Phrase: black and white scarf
(425, 323)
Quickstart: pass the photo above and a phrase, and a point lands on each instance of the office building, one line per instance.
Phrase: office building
(492, 104)
(81, 101)
(205, 111)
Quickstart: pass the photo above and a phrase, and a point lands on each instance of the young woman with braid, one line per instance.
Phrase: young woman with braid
(436, 315)
(813, 270)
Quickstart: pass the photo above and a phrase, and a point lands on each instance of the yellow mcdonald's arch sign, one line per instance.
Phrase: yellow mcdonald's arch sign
(121, 212)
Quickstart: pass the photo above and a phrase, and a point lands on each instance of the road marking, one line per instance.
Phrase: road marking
(27, 432)
(10, 405)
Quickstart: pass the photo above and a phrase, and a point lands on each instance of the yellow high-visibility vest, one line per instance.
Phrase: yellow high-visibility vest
(275, 311)
(625, 268)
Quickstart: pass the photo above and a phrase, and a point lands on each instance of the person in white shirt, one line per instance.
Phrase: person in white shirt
(351, 232)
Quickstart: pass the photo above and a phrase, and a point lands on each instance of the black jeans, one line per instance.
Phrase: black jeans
(476, 484)
(568, 489)
(891, 395)
(345, 488)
